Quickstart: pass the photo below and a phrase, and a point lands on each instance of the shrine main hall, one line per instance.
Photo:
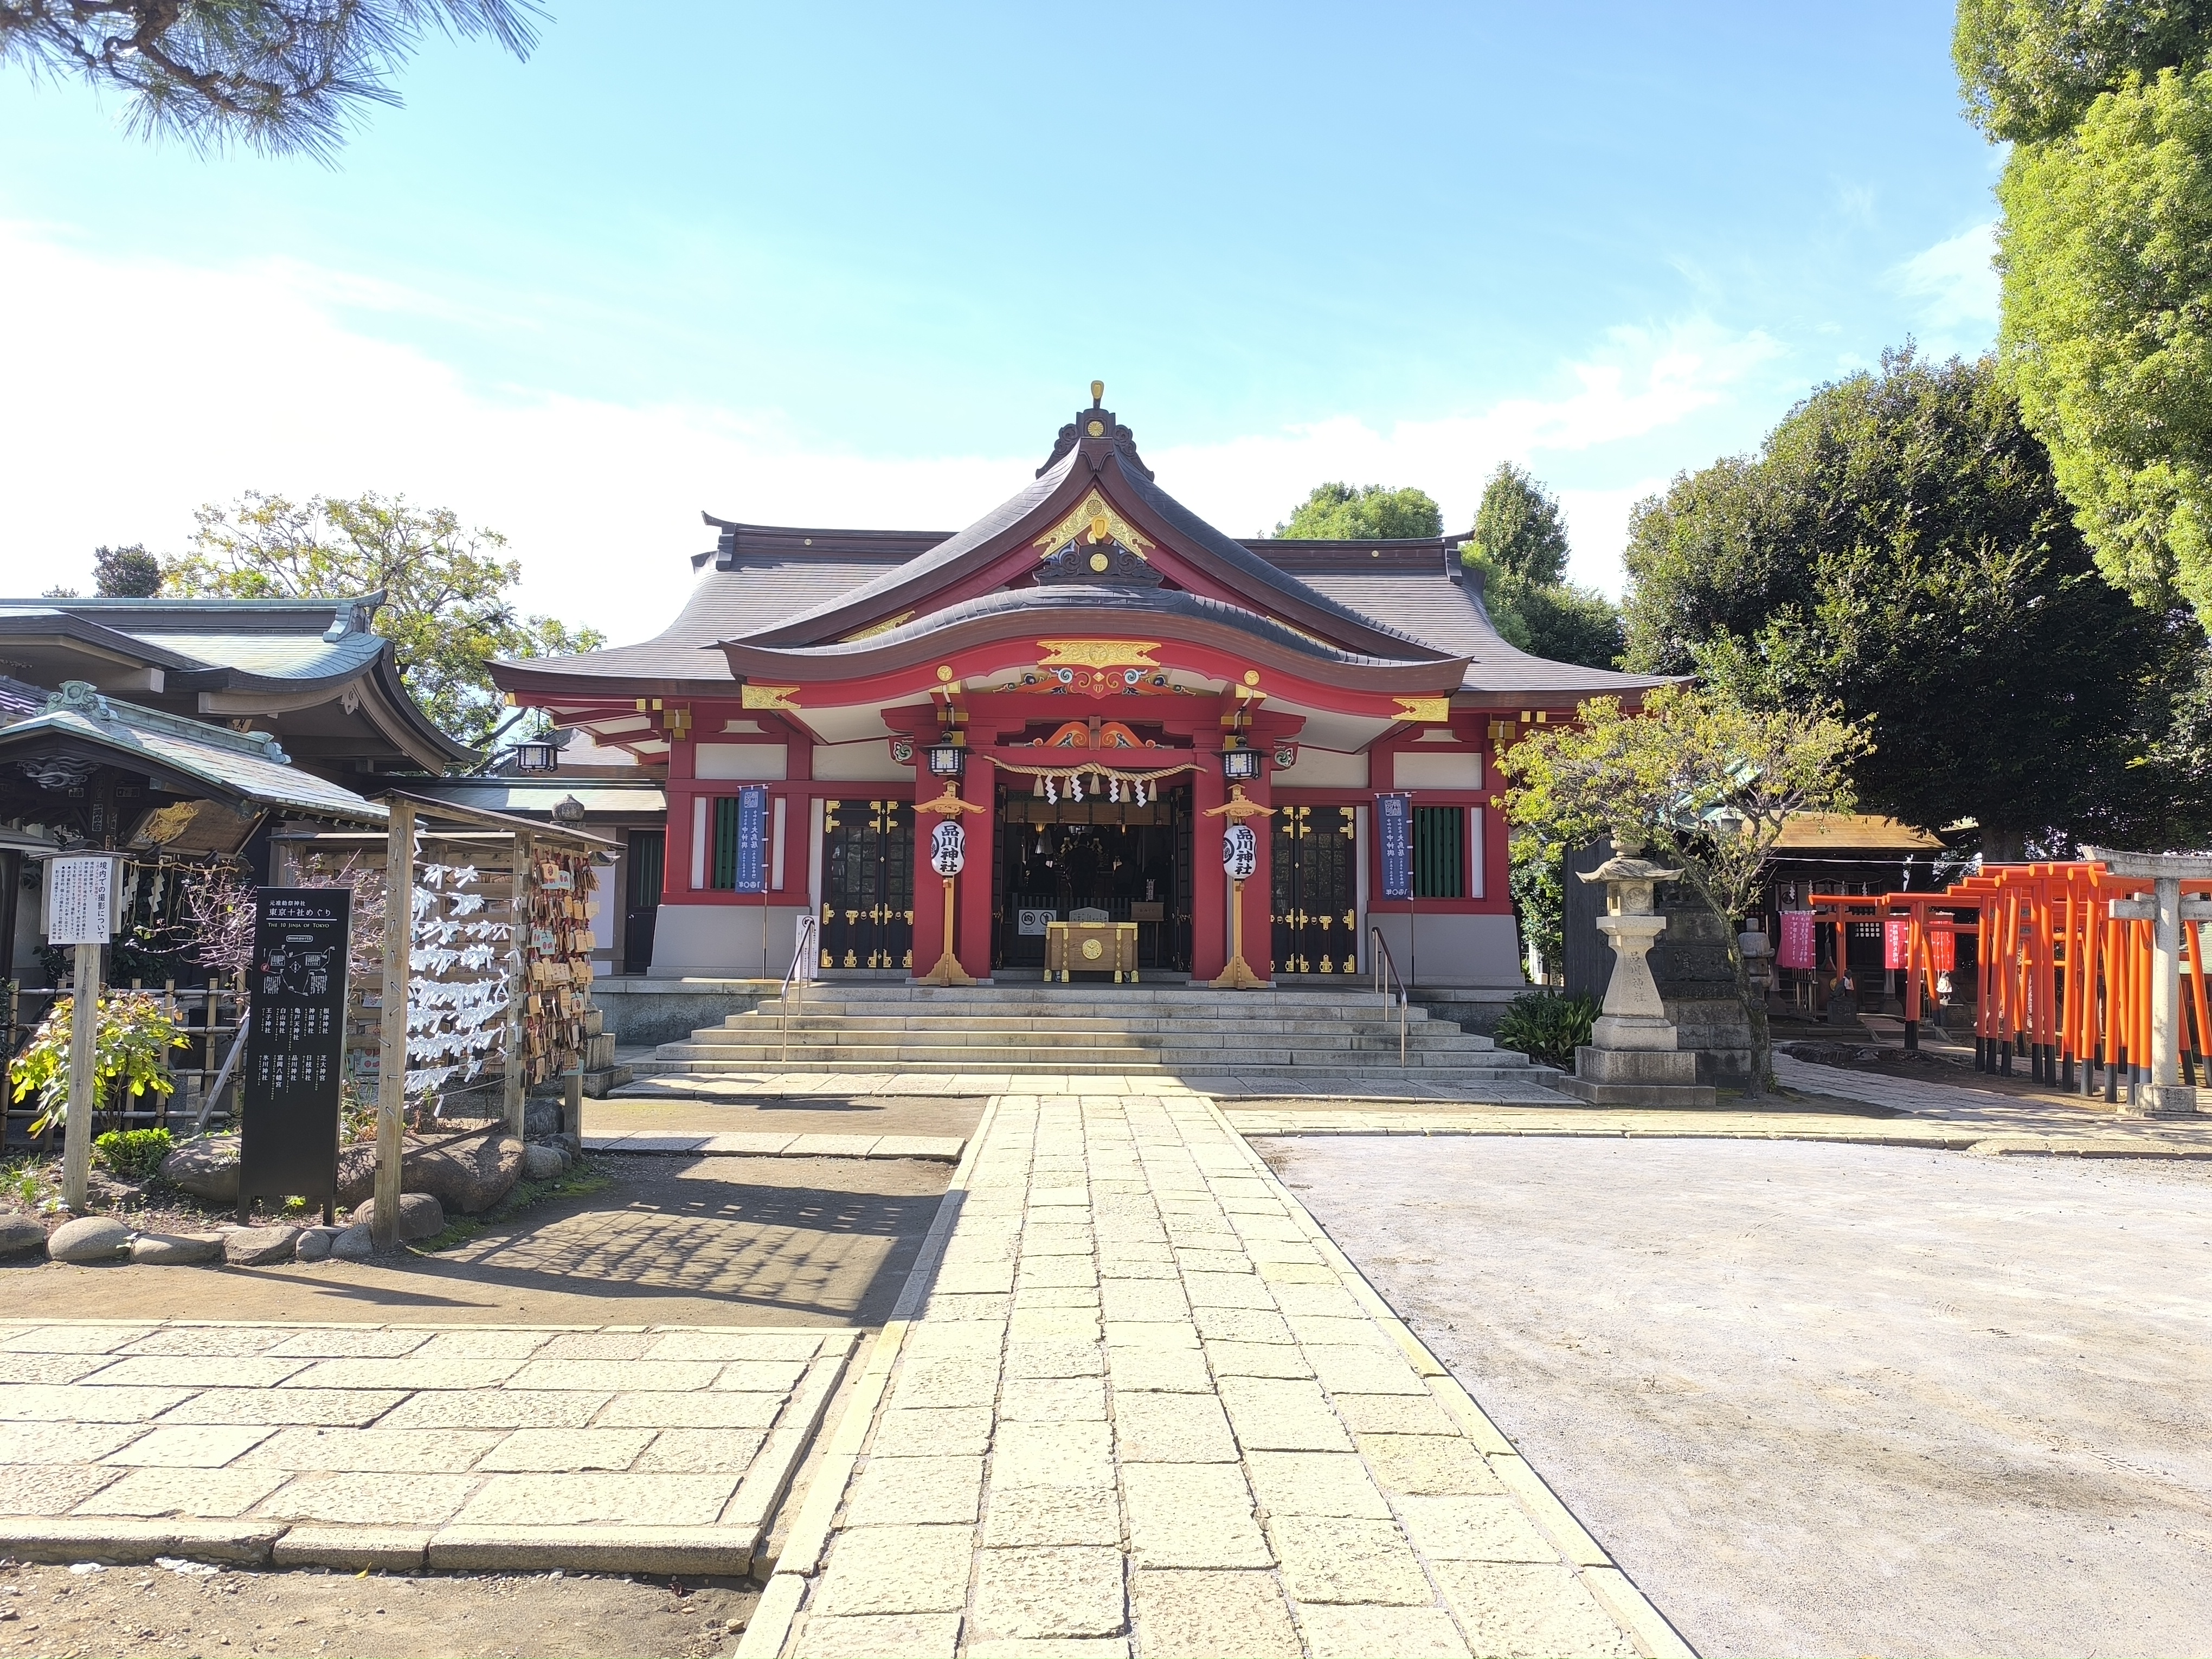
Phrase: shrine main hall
(1105, 683)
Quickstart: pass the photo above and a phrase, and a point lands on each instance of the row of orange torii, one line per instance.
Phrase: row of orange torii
(2069, 967)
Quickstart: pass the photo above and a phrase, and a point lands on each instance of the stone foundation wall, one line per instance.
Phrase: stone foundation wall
(1690, 963)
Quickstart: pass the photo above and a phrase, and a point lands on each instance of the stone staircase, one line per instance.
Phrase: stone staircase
(1172, 1030)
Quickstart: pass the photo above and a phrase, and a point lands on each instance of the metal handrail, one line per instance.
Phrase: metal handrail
(810, 934)
(1385, 962)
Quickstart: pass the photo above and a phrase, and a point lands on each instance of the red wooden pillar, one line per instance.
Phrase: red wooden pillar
(973, 933)
(1209, 900)
(928, 885)
(676, 847)
(1260, 887)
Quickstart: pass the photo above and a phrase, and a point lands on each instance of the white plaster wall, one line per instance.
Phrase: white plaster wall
(722, 940)
(1324, 769)
(1453, 951)
(751, 763)
(860, 763)
(1438, 771)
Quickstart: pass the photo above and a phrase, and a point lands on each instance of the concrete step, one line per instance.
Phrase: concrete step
(1377, 1069)
(905, 1056)
(1047, 1036)
(1016, 1022)
(1031, 1029)
(1110, 994)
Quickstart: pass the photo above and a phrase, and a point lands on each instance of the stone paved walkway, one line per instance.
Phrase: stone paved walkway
(623, 1448)
(1939, 1116)
(1991, 1108)
(1138, 1403)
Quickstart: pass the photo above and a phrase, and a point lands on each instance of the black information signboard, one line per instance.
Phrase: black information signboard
(295, 1047)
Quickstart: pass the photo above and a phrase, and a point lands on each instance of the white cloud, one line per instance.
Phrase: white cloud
(1953, 281)
(177, 385)
(1597, 529)
(1642, 383)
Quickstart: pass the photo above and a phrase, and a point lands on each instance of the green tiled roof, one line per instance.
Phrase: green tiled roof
(238, 766)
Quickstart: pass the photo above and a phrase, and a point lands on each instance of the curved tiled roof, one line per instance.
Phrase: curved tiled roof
(192, 757)
(921, 575)
(1028, 602)
(801, 594)
(306, 652)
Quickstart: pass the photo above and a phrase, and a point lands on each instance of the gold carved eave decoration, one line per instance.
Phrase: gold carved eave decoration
(1436, 710)
(874, 628)
(772, 699)
(1097, 654)
(1093, 519)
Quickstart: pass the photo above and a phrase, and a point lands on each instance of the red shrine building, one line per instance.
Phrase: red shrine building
(1097, 674)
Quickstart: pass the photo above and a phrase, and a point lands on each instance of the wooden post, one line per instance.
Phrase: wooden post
(391, 1045)
(84, 1085)
(518, 981)
(950, 806)
(1237, 975)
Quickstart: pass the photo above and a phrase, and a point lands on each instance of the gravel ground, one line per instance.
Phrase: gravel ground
(128, 1611)
(1826, 1399)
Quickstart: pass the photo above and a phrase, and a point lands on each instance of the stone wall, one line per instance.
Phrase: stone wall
(641, 1012)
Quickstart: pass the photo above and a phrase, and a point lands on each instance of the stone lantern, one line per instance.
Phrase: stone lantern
(1631, 1059)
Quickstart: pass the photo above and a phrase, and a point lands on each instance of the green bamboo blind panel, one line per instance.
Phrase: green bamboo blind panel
(725, 843)
(1439, 851)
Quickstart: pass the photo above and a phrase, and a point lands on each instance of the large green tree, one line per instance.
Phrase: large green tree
(1519, 530)
(2106, 252)
(1706, 780)
(1347, 513)
(281, 76)
(125, 573)
(1520, 544)
(1900, 545)
(447, 608)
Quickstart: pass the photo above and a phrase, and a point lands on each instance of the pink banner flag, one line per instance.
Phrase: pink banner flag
(1796, 940)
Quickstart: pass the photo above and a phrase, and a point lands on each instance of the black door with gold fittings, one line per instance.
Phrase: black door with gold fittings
(1315, 900)
(867, 884)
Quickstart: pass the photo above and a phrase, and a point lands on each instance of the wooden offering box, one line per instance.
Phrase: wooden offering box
(1091, 947)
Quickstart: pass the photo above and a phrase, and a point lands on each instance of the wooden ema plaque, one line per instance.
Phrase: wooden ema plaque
(1091, 947)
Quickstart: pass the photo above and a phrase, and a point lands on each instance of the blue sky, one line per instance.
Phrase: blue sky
(855, 266)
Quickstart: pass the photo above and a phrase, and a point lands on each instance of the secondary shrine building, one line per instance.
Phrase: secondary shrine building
(1094, 669)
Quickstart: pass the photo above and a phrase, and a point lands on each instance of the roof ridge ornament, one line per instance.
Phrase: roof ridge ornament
(1095, 426)
(81, 697)
(353, 616)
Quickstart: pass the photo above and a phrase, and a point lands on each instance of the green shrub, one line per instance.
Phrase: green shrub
(1548, 1026)
(132, 1154)
(133, 1034)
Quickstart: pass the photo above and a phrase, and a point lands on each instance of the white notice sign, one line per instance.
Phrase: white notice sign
(80, 900)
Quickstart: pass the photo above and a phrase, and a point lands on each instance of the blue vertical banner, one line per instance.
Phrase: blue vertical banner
(1396, 812)
(752, 840)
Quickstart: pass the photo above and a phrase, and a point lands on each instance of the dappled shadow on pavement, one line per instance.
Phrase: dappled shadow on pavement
(672, 1240)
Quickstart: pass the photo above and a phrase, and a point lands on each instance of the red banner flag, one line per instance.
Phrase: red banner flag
(1896, 941)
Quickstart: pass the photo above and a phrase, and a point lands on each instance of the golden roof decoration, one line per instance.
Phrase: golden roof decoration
(1094, 520)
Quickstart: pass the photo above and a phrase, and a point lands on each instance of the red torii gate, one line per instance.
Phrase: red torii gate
(2063, 968)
